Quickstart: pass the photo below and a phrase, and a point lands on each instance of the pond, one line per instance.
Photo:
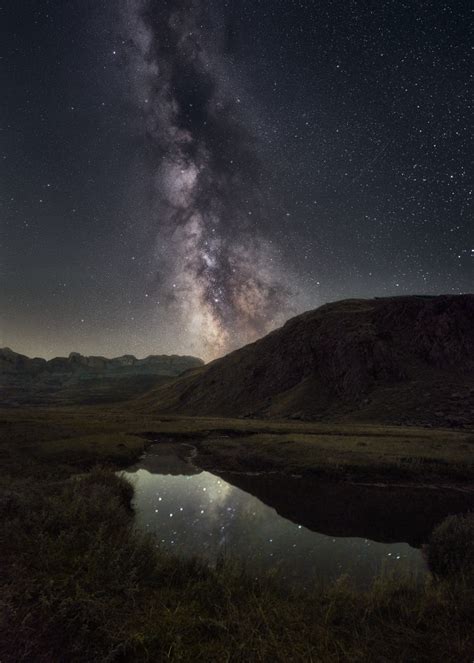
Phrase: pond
(305, 530)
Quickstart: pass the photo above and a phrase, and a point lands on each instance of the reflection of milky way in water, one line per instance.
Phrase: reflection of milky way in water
(204, 515)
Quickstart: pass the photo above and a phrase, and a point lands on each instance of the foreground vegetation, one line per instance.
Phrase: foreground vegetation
(79, 584)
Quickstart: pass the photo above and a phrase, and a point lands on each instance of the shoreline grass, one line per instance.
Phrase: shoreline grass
(344, 457)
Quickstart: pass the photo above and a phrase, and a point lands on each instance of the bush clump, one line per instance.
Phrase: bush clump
(450, 550)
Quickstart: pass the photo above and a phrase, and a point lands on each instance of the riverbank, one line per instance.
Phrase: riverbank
(410, 456)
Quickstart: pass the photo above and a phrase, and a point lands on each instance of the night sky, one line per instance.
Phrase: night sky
(181, 176)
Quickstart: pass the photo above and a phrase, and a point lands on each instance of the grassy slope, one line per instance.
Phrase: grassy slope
(79, 391)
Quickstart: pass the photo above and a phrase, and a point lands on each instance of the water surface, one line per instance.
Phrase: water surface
(305, 530)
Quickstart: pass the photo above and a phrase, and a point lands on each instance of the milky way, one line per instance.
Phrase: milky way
(218, 272)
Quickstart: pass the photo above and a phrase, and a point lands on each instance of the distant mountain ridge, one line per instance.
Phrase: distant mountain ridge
(400, 360)
(171, 365)
(78, 378)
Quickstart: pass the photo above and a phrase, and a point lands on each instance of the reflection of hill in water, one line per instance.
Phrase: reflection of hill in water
(386, 514)
(166, 458)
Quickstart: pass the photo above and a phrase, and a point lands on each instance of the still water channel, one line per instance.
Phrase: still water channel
(305, 530)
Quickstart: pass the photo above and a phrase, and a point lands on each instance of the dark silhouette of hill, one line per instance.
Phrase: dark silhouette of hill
(395, 360)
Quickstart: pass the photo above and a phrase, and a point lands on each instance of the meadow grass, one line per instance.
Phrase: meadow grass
(68, 438)
(363, 456)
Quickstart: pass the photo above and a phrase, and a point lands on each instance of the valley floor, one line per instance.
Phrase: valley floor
(46, 439)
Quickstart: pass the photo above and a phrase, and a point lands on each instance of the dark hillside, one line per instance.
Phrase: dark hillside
(403, 359)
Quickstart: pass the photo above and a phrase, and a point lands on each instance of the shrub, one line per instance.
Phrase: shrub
(450, 550)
